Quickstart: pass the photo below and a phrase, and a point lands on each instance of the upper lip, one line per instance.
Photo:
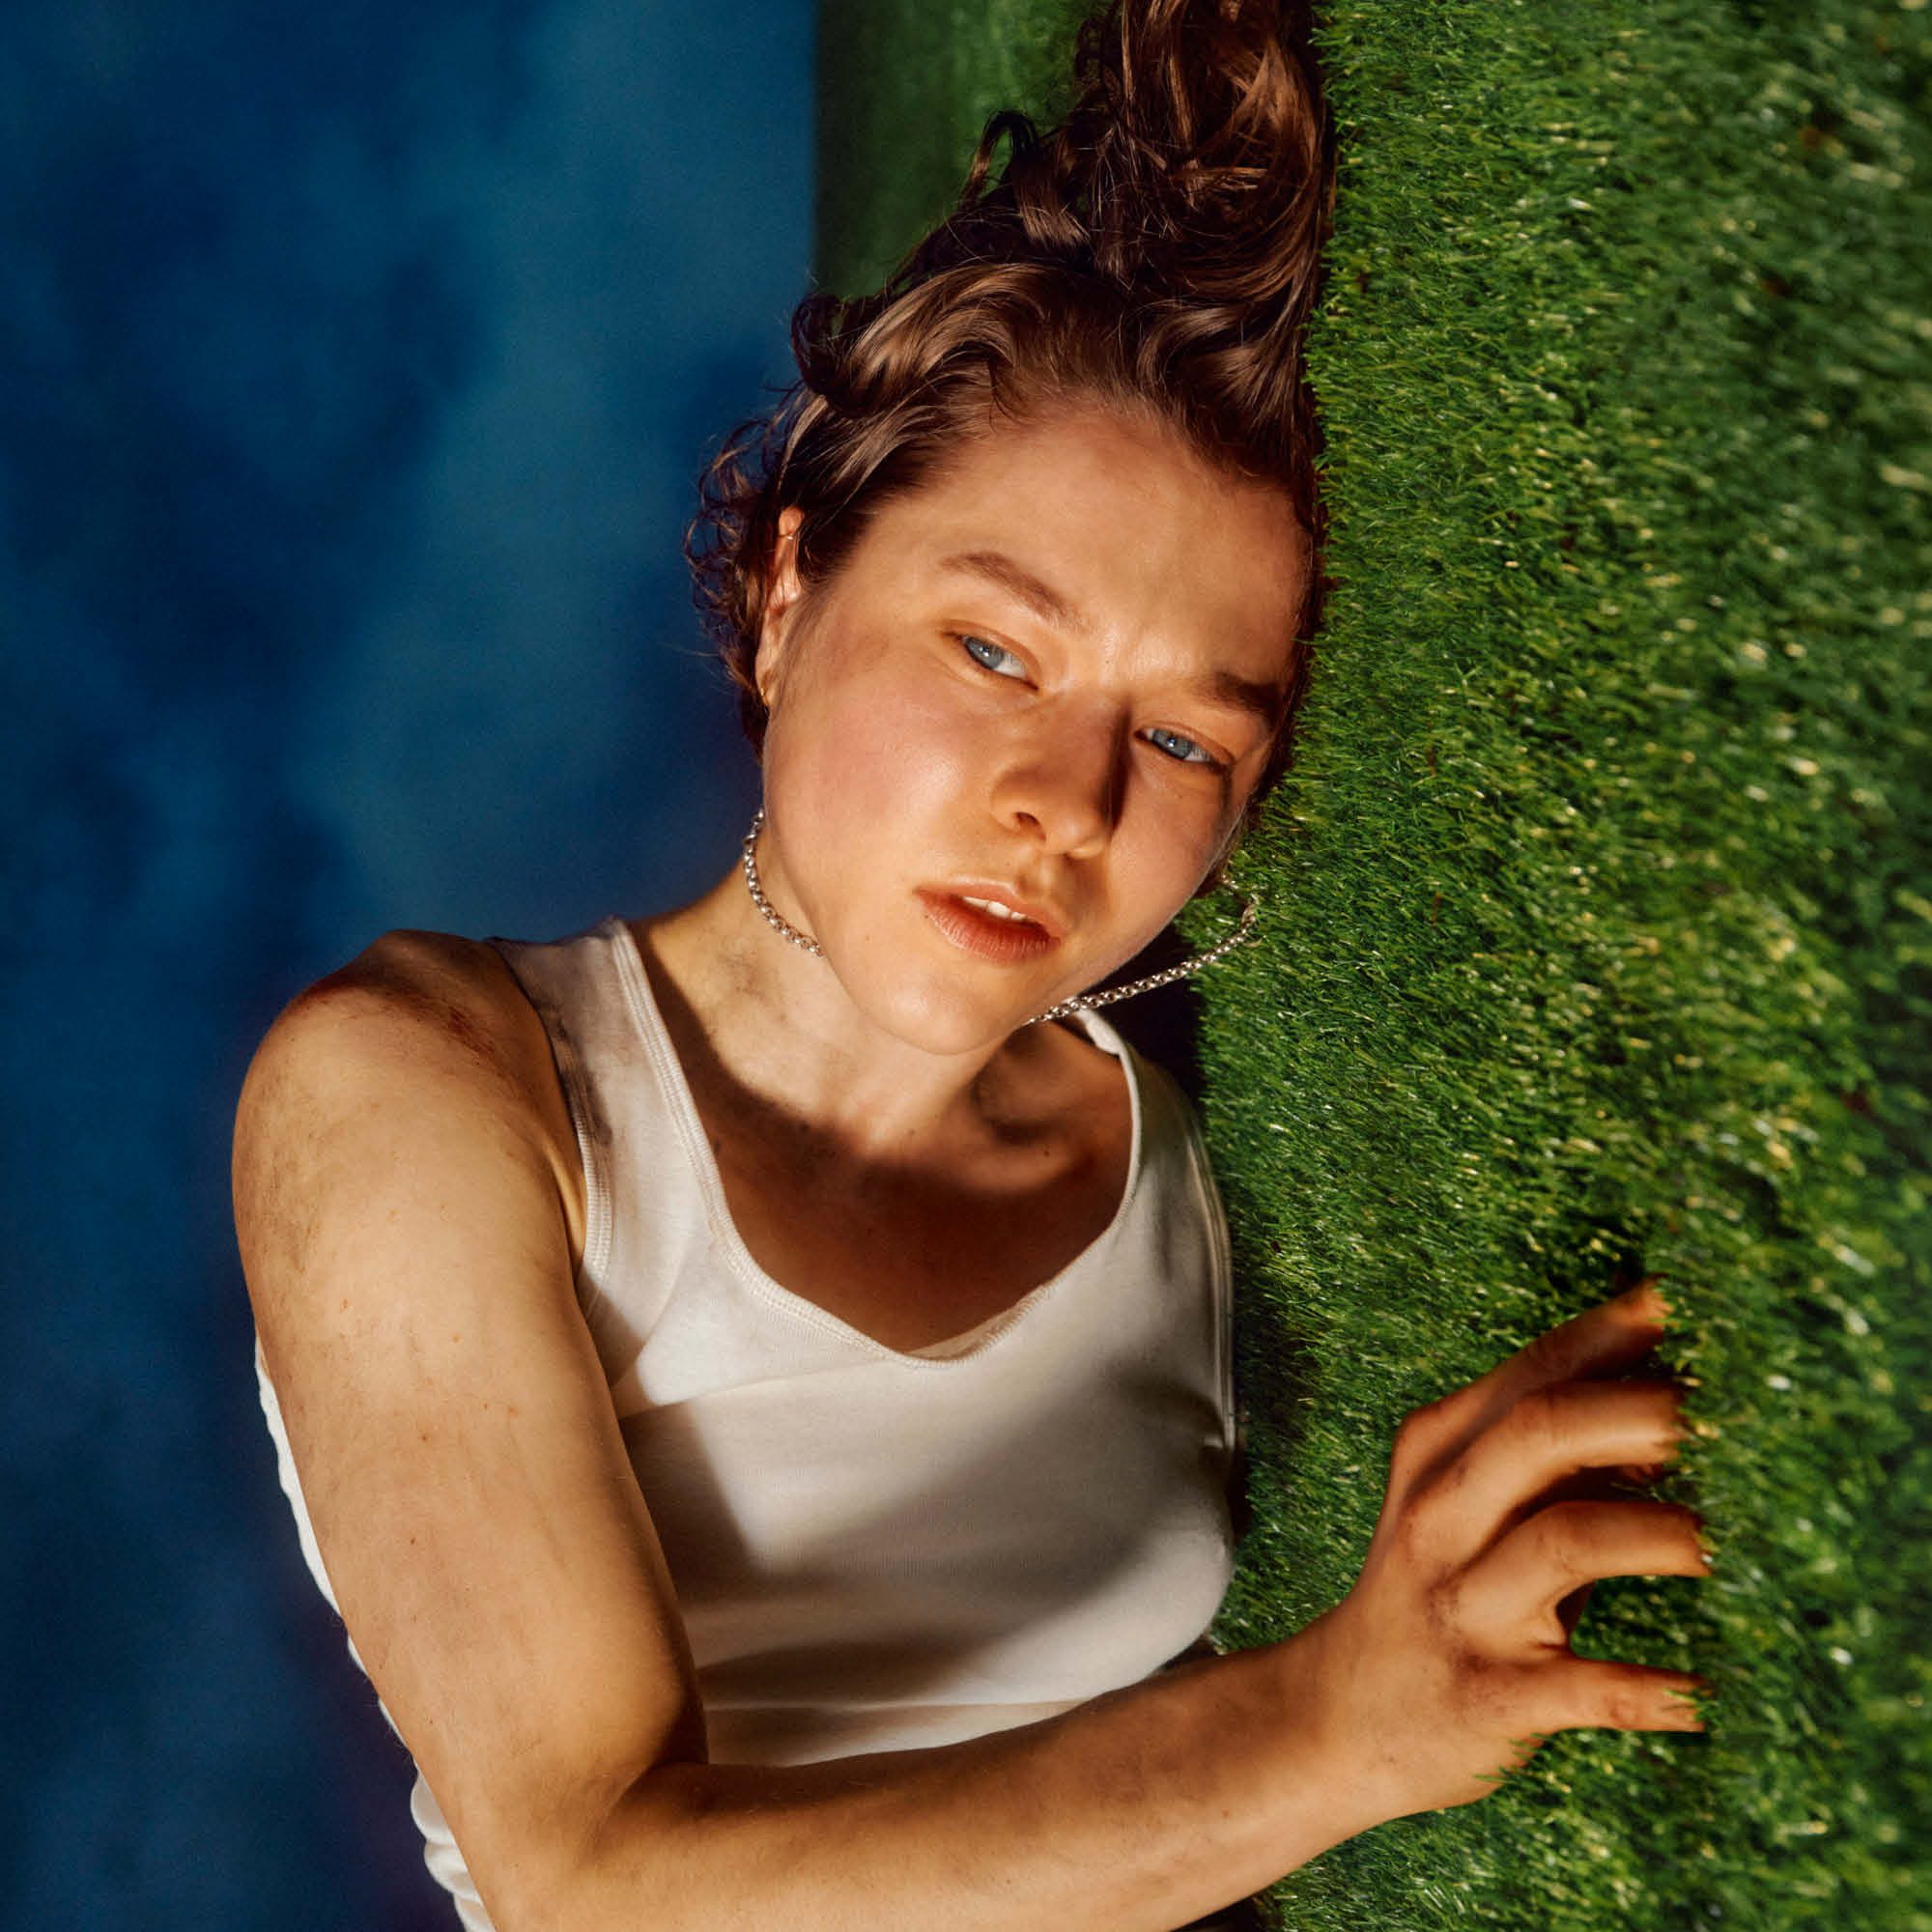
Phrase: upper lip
(1008, 896)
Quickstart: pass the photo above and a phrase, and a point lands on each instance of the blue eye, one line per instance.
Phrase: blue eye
(1207, 757)
(968, 641)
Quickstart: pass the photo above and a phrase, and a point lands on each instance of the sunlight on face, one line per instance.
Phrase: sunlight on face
(1055, 670)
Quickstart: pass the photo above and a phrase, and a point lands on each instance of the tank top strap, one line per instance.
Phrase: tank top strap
(619, 1115)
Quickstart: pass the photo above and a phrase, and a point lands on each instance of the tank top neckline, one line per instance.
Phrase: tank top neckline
(655, 1036)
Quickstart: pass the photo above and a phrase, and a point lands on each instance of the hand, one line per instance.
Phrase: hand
(1449, 1661)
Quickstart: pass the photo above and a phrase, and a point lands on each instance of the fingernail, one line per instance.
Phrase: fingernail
(1647, 1297)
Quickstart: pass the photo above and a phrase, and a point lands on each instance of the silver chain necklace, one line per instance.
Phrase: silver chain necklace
(1081, 1002)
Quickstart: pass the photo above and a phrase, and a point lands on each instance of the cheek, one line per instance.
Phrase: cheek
(878, 756)
(1153, 875)
(876, 750)
(1171, 822)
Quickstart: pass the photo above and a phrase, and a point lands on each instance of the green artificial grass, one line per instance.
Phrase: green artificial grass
(1597, 914)
(904, 88)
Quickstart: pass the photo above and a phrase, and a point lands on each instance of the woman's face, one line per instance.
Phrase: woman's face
(1049, 678)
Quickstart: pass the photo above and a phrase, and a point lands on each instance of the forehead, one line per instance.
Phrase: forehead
(1145, 546)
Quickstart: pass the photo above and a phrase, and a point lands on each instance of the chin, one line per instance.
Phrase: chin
(942, 1017)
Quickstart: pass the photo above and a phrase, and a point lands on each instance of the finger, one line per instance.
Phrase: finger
(1600, 1341)
(1612, 1485)
(1517, 1586)
(1551, 1433)
(1611, 1336)
(1586, 1692)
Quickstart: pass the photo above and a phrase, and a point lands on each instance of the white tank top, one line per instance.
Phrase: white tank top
(878, 1550)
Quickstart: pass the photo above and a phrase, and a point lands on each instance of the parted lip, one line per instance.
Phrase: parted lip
(1007, 895)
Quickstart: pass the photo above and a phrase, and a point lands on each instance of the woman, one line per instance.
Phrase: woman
(760, 1383)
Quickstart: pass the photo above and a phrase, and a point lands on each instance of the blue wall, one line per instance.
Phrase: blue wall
(356, 368)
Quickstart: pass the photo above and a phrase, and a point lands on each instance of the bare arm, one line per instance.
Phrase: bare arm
(407, 1253)
(1137, 1811)
(405, 1244)
(1445, 1667)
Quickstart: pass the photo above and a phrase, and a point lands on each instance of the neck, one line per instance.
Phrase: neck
(771, 1021)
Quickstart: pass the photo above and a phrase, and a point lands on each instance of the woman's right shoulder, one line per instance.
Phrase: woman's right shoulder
(435, 1007)
(436, 992)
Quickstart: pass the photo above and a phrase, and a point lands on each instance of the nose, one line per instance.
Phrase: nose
(1062, 783)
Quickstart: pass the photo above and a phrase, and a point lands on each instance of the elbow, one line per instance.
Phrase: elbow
(624, 1869)
(536, 1890)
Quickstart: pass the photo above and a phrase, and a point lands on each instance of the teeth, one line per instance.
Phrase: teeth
(999, 910)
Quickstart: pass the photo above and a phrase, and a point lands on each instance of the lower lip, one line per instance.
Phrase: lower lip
(1005, 941)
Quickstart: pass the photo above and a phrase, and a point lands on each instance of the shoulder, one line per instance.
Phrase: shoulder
(430, 993)
(416, 1004)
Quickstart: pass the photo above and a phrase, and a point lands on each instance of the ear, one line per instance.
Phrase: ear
(781, 595)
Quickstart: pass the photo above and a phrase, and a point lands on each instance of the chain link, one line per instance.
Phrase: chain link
(1165, 977)
(764, 905)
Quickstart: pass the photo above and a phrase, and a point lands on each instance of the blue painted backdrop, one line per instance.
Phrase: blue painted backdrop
(357, 364)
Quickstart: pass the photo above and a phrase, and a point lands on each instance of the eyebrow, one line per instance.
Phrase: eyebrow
(1222, 687)
(1240, 693)
(1040, 598)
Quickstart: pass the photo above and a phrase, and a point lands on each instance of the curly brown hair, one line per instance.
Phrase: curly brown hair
(1157, 252)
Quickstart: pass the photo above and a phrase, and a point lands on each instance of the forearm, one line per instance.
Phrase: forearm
(1135, 1812)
